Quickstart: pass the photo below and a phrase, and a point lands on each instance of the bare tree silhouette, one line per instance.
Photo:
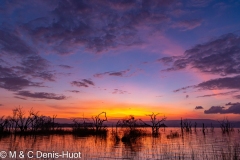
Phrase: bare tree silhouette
(155, 123)
(98, 121)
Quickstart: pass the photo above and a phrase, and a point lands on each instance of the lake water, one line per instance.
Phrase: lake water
(195, 145)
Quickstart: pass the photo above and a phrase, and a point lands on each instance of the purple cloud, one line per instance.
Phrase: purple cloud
(67, 26)
(65, 66)
(12, 44)
(10, 80)
(219, 83)
(26, 63)
(230, 103)
(41, 95)
(198, 107)
(214, 109)
(79, 84)
(83, 83)
(36, 66)
(184, 88)
(74, 91)
(118, 91)
(17, 83)
(219, 56)
(88, 82)
(218, 94)
(118, 73)
(234, 109)
(237, 96)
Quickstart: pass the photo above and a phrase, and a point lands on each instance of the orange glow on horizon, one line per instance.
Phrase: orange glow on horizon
(114, 110)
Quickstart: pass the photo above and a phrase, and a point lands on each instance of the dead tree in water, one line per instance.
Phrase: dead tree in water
(155, 123)
(21, 121)
(53, 121)
(98, 121)
(33, 122)
(203, 129)
(3, 124)
(226, 126)
(195, 126)
(181, 126)
(186, 125)
(130, 123)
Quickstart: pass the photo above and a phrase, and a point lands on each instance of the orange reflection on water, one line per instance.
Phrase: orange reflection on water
(144, 147)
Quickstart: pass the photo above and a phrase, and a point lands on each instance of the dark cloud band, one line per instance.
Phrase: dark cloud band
(234, 109)
(41, 95)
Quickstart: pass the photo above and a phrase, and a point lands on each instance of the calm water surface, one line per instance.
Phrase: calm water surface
(188, 146)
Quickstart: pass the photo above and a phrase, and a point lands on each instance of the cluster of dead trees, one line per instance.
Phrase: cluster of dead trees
(32, 122)
(96, 127)
(186, 125)
(133, 127)
(132, 124)
(22, 122)
(96, 124)
(226, 126)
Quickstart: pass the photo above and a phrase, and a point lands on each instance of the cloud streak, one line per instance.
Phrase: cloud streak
(65, 66)
(118, 91)
(217, 84)
(218, 94)
(83, 83)
(41, 95)
(74, 91)
(112, 73)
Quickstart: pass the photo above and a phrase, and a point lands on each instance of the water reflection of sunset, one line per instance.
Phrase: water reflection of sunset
(146, 147)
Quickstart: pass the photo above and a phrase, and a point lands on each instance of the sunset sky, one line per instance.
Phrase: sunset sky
(124, 57)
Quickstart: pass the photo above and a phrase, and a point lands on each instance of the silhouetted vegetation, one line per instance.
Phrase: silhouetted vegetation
(131, 134)
(155, 123)
(203, 128)
(186, 125)
(84, 128)
(226, 126)
(4, 125)
(98, 121)
(31, 123)
(132, 130)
